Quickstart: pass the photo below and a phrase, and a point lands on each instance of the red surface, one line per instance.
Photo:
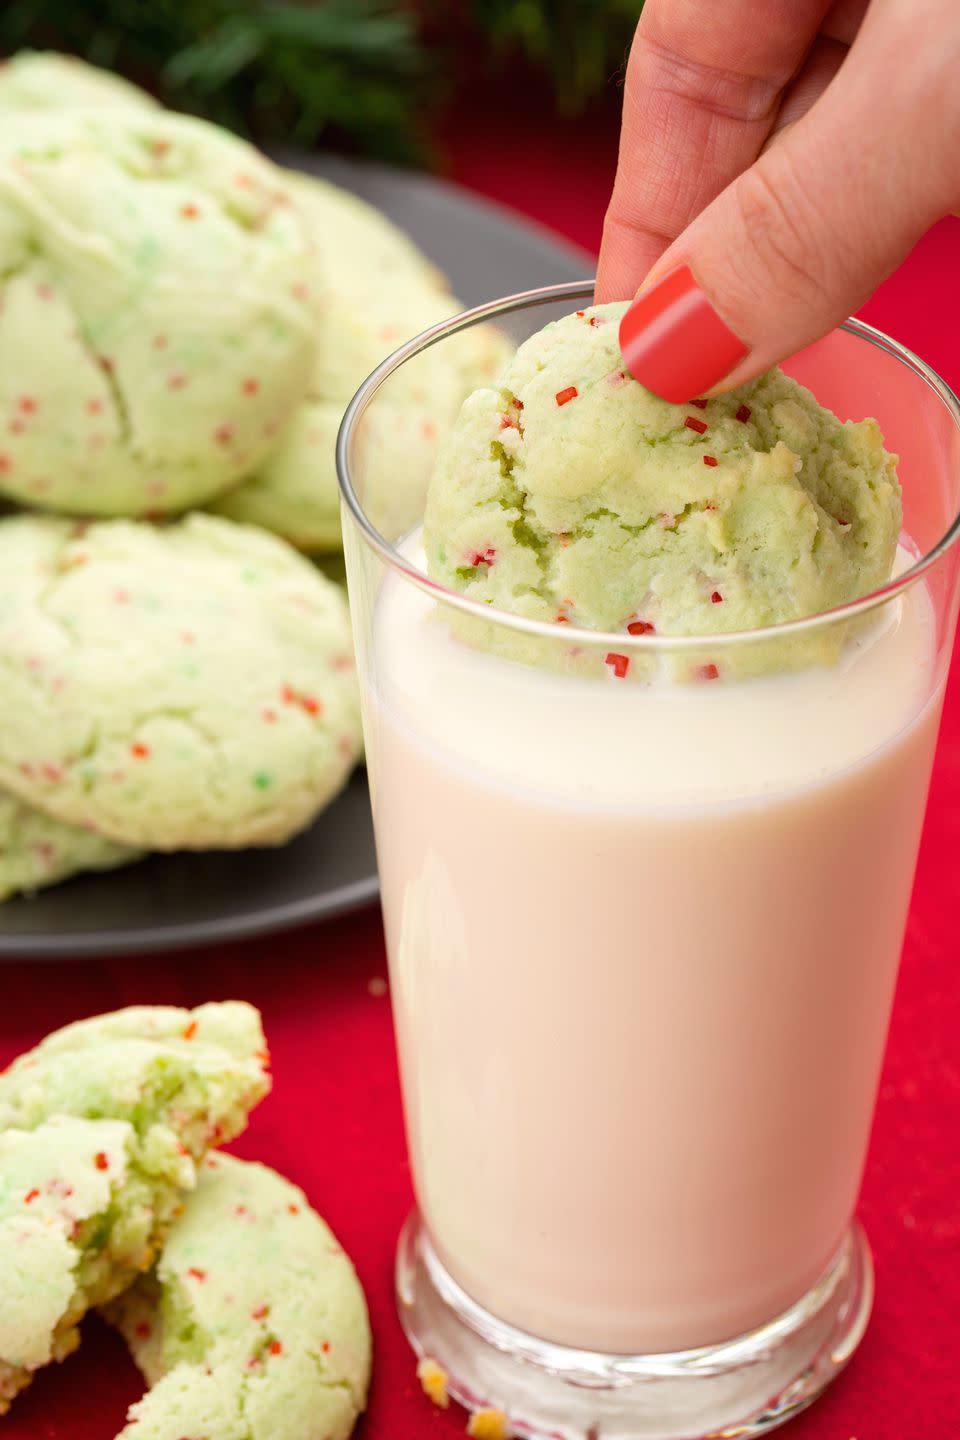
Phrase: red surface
(333, 1122)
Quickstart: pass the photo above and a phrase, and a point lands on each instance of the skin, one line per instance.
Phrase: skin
(791, 153)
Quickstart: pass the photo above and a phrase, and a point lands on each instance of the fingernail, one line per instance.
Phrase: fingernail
(674, 342)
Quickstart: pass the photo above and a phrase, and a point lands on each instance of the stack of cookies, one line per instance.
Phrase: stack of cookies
(181, 326)
(240, 1308)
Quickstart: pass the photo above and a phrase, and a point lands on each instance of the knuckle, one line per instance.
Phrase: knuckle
(717, 90)
(781, 234)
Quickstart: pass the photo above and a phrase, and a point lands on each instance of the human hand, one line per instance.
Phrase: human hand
(777, 161)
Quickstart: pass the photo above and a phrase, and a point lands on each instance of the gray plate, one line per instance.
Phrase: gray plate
(167, 902)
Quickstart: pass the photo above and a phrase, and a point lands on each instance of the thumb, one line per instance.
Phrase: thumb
(799, 240)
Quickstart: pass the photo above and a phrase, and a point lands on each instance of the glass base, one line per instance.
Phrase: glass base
(745, 1386)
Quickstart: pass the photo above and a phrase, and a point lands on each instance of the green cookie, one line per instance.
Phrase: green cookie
(568, 492)
(156, 330)
(185, 687)
(101, 1130)
(253, 1325)
(375, 291)
(36, 851)
(45, 80)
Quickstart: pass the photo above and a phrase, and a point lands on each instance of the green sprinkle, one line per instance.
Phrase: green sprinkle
(262, 780)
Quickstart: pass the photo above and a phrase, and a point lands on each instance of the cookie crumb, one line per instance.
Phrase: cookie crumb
(488, 1425)
(377, 987)
(433, 1381)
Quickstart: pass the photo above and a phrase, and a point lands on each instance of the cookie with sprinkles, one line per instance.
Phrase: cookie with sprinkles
(46, 80)
(253, 1325)
(102, 1127)
(180, 687)
(375, 290)
(157, 325)
(569, 493)
(36, 850)
(186, 1079)
(79, 1219)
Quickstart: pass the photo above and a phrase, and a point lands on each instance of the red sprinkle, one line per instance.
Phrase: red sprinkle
(27, 405)
(159, 342)
(261, 1312)
(641, 627)
(710, 460)
(294, 1209)
(325, 1347)
(196, 1274)
(190, 1030)
(189, 211)
(708, 672)
(311, 705)
(483, 557)
(743, 414)
(275, 1347)
(30, 1196)
(619, 664)
(143, 1330)
(700, 404)
(251, 386)
(141, 751)
(581, 313)
(692, 423)
(269, 716)
(176, 380)
(101, 1161)
(94, 407)
(563, 396)
(223, 433)
(717, 598)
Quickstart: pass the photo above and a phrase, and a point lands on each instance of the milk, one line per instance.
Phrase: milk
(643, 942)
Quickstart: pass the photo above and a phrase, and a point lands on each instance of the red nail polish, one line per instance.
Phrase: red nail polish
(674, 342)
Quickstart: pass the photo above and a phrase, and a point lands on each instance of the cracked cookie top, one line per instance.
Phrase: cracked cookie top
(184, 687)
(295, 491)
(156, 323)
(570, 493)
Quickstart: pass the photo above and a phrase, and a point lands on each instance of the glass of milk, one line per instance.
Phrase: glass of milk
(643, 941)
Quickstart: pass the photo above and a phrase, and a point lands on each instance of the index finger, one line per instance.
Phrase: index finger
(703, 85)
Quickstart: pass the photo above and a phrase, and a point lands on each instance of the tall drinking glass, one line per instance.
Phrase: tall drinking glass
(644, 901)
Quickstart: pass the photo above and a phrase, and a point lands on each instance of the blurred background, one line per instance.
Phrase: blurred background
(374, 77)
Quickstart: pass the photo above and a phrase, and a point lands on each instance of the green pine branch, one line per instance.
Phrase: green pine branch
(351, 68)
(342, 71)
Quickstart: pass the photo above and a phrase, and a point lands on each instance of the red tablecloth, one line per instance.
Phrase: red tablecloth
(333, 1123)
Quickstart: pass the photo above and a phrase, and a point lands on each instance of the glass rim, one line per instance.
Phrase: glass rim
(583, 290)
